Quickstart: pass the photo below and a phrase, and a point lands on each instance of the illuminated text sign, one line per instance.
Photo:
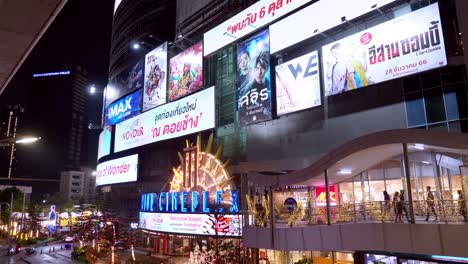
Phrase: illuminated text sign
(321, 196)
(124, 108)
(118, 170)
(45, 74)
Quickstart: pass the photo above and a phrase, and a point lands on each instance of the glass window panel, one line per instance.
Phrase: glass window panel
(441, 127)
(434, 102)
(412, 84)
(453, 74)
(430, 79)
(415, 109)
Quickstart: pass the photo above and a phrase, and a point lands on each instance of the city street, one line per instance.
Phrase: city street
(59, 256)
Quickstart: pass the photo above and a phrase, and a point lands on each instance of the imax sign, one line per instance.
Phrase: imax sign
(124, 108)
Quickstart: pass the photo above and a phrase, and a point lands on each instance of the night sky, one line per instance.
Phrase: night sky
(80, 35)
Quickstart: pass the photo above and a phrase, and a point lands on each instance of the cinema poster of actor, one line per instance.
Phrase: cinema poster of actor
(253, 80)
(155, 77)
(186, 72)
(127, 81)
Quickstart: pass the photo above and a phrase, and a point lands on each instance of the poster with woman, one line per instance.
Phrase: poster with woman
(253, 81)
(155, 77)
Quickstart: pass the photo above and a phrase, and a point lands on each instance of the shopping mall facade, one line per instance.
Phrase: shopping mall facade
(292, 131)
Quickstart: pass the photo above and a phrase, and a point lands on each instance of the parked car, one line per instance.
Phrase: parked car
(68, 239)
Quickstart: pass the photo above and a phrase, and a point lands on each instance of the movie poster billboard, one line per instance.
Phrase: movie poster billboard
(385, 52)
(104, 144)
(123, 108)
(155, 77)
(298, 84)
(253, 81)
(186, 72)
(127, 81)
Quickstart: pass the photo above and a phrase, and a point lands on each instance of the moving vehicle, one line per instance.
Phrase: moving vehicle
(30, 251)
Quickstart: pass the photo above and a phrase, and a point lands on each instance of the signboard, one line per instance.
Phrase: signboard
(247, 21)
(104, 144)
(193, 224)
(254, 85)
(189, 115)
(127, 81)
(118, 170)
(298, 84)
(385, 52)
(186, 72)
(299, 26)
(47, 74)
(290, 204)
(155, 77)
(321, 196)
(124, 108)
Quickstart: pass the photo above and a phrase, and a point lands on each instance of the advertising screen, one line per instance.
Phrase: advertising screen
(321, 196)
(188, 115)
(253, 80)
(195, 224)
(155, 77)
(118, 170)
(104, 142)
(298, 26)
(124, 108)
(298, 84)
(186, 72)
(385, 52)
(255, 16)
(128, 80)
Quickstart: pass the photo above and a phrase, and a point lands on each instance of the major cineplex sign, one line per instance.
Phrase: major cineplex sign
(185, 116)
(191, 213)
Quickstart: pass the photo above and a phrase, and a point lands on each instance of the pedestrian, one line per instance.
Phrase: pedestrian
(403, 205)
(397, 207)
(461, 204)
(387, 202)
(430, 202)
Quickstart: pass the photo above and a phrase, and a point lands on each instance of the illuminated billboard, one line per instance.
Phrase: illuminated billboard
(117, 171)
(194, 224)
(155, 77)
(385, 52)
(124, 108)
(186, 72)
(188, 115)
(104, 144)
(298, 84)
(253, 80)
(299, 26)
(127, 81)
(250, 19)
(321, 196)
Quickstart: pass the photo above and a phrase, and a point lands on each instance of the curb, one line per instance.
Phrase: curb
(58, 253)
(25, 260)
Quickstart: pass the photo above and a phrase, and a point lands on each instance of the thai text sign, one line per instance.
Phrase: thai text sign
(385, 52)
(247, 21)
(118, 170)
(195, 224)
(188, 115)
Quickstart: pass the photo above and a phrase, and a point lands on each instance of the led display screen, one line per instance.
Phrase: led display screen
(127, 81)
(298, 84)
(117, 171)
(124, 108)
(104, 144)
(186, 72)
(253, 80)
(194, 224)
(155, 77)
(188, 115)
(385, 52)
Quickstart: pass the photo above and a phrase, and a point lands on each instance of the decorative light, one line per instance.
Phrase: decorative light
(345, 171)
(419, 146)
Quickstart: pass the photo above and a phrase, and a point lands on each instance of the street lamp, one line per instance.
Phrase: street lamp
(27, 140)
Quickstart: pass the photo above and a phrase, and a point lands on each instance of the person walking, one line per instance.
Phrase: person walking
(387, 203)
(430, 202)
(403, 205)
(397, 207)
(461, 204)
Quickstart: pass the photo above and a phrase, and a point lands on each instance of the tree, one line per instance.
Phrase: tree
(34, 212)
(5, 197)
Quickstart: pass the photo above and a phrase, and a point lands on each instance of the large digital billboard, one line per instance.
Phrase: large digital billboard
(253, 80)
(385, 52)
(186, 72)
(127, 81)
(188, 115)
(155, 77)
(298, 84)
(195, 224)
(117, 171)
(255, 16)
(123, 108)
(299, 26)
(104, 144)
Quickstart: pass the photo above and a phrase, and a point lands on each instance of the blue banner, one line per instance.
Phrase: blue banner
(124, 108)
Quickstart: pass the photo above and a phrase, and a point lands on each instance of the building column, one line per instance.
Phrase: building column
(408, 182)
(327, 193)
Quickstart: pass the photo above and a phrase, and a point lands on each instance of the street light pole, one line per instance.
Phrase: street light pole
(9, 224)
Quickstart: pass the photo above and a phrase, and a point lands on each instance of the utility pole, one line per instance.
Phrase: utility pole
(9, 223)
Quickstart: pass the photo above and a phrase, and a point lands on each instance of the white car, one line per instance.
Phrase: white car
(68, 239)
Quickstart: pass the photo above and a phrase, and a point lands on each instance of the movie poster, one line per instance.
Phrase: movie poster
(253, 80)
(385, 52)
(155, 77)
(298, 84)
(186, 72)
(128, 80)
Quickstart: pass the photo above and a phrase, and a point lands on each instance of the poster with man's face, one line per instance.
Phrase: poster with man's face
(253, 80)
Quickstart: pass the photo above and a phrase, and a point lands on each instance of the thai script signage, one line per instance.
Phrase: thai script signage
(247, 21)
(188, 115)
(385, 52)
(118, 170)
